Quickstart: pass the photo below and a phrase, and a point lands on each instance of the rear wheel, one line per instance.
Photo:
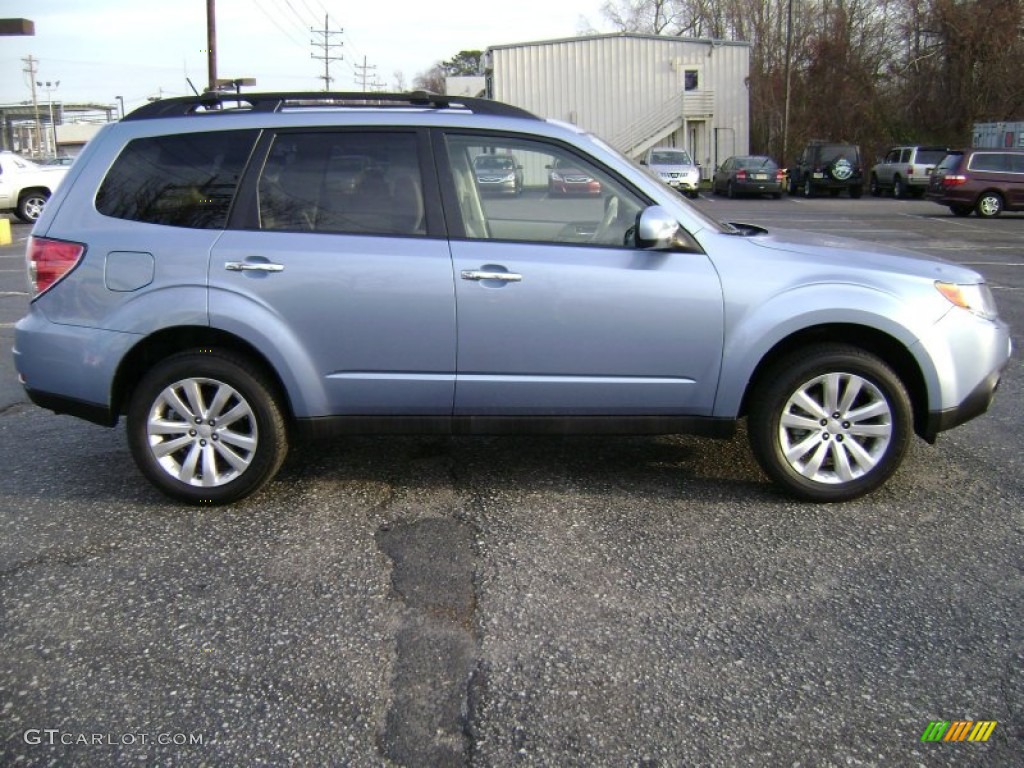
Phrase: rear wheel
(989, 204)
(206, 428)
(899, 190)
(830, 423)
(30, 206)
(876, 191)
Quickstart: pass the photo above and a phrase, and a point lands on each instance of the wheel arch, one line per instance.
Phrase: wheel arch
(35, 188)
(890, 350)
(170, 341)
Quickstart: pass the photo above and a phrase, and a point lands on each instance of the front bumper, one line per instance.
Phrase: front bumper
(969, 355)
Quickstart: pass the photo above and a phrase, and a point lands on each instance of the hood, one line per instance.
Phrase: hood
(846, 253)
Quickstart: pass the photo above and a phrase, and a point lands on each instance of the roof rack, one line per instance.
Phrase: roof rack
(224, 103)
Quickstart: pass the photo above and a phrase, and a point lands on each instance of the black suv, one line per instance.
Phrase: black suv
(834, 166)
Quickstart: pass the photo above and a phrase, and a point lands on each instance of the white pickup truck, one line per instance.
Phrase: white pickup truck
(26, 186)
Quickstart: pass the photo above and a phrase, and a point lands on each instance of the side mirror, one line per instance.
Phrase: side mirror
(656, 229)
(643, 162)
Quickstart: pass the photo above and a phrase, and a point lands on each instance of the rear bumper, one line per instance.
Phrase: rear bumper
(67, 368)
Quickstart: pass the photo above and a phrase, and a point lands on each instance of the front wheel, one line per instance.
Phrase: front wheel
(205, 428)
(830, 423)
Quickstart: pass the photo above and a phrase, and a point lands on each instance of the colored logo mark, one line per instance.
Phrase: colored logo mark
(958, 730)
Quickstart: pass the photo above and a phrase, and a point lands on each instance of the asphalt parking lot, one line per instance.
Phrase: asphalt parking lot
(520, 601)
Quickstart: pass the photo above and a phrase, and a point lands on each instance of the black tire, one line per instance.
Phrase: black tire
(30, 205)
(808, 187)
(989, 205)
(876, 191)
(873, 445)
(243, 452)
(730, 192)
(899, 189)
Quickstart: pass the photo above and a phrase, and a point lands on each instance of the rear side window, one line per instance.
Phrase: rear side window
(186, 180)
(346, 182)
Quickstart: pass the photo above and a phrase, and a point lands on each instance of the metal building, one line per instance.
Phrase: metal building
(634, 91)
(992, 135)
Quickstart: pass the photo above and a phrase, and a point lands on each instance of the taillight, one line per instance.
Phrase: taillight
(741, 175)
(910, 170)
(780, 175)
(953, 180)
(48, 261)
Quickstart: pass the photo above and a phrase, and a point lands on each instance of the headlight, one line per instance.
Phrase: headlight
(974, 297)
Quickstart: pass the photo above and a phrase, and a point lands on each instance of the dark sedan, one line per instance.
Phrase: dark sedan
(749, 175)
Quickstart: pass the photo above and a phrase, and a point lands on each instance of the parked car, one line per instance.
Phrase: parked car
(674, 167)
(498, 174)
(986, 181)
(202, 276)
(827, 166)
(25, 186)
(567, 177)
(905, 170)
(749, 175)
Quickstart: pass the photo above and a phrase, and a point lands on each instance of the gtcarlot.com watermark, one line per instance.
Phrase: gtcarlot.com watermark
(54, 736)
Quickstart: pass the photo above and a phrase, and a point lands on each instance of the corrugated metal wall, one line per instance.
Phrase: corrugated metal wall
(998, 134)
(607, 83)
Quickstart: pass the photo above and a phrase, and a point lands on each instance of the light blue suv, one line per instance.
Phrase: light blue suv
(218, 273)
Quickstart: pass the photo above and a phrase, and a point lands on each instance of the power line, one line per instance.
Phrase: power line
(279, 27)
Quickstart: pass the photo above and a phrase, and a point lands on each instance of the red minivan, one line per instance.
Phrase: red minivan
(987, 181)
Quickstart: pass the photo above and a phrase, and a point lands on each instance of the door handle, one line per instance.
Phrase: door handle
(252, 266)
(508, 277)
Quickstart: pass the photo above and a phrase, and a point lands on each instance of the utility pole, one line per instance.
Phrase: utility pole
(326, 44)
(211, 44)
(30, 70)
(364, 74)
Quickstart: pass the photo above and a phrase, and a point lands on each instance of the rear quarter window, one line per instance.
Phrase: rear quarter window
(997, 162)
(186, 180)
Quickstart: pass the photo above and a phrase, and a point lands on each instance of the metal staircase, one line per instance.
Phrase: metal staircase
(657, 125)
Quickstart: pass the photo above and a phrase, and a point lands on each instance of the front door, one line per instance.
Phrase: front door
(557, 314)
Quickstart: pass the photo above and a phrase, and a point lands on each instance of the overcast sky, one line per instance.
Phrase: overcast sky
(100, 49)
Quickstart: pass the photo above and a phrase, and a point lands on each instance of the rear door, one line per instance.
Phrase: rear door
(337, 262)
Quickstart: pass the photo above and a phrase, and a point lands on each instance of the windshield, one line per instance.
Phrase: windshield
(670, 157)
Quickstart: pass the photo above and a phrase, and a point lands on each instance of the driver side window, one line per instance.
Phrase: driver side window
(527, 191)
